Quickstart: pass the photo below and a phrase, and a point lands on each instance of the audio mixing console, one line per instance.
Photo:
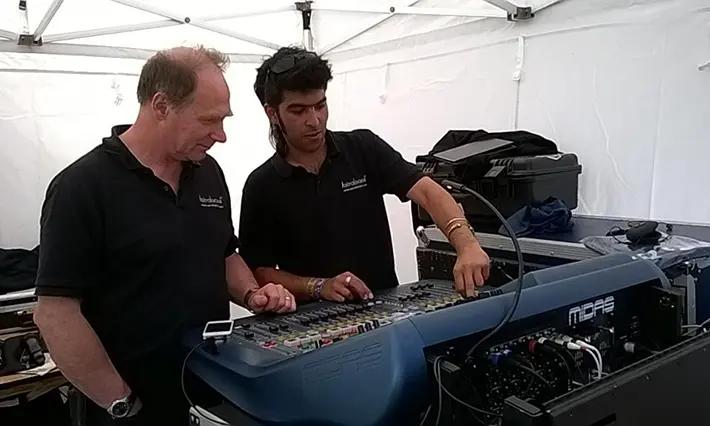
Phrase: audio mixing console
(366, 364)
(323, 323)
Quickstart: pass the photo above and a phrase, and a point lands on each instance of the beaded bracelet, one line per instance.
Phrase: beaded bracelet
(310, 285)
(318, 288)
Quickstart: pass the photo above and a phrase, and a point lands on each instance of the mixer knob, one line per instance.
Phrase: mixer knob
(304, 321)
(429, 285)
(378, 302)
(283, 326)
(245, 326)
(415, 287)
(370, 304)
(273, 329)
(248, 334)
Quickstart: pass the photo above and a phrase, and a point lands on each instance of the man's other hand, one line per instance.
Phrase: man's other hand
(272, 298)
(471, 270)
(345, 286)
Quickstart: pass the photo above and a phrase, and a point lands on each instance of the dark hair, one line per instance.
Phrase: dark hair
(290, 69)
(174, 73)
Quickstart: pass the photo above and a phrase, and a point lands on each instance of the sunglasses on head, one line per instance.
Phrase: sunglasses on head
(288, 62)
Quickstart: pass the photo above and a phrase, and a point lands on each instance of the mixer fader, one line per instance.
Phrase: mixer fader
(324, 323)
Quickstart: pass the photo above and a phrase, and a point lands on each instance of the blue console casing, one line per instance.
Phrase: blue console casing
(375, 376)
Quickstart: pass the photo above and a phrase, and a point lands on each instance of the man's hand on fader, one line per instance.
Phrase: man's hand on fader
(272, 298)
(345, 286)
(471, 270)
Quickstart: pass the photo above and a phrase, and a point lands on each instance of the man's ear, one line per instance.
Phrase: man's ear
(160, 106)
(271, 113)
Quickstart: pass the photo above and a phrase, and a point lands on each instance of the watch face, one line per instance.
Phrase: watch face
(120, 409)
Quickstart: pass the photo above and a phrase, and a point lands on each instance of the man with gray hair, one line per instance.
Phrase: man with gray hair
(137, 246)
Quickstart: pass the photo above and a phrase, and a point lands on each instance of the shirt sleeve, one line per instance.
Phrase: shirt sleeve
(254, 228)
(233, 241)
(71, 229)
(397, 175)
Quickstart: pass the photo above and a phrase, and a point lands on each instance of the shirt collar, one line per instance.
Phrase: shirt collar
(285, 169)
(114, 146)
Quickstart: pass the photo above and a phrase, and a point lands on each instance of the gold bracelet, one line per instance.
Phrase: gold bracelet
(310, 287)
(454, 223)
(453, 228)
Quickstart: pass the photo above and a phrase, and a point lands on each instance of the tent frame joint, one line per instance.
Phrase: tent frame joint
(29, 40)
(306, 14)
(304, 6)
(522, 14)
(513, 12)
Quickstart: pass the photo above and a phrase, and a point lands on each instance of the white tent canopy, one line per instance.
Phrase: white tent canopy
(247, 30)
(622, 83)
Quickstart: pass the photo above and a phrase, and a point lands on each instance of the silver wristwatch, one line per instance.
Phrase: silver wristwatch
(120, 408)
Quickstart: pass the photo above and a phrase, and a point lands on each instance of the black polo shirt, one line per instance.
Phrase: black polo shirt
(326, 224)
(147, 263)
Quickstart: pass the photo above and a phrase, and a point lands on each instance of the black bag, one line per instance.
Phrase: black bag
(525, 144)
(18, 269)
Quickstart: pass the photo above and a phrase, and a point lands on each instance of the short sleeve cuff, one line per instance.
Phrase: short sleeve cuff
(57, 290)
(407, 182)
(232, 246)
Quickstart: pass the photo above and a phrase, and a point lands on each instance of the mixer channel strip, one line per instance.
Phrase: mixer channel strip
(305, 331)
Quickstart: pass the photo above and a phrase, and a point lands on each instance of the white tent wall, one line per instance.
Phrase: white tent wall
(615, 81)
(620, 83)
(49, 119)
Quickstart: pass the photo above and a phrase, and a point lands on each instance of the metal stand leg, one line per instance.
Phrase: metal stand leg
(77, 407)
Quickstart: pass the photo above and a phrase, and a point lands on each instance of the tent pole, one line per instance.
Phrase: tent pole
(366, 28)
(8, 35)
(306, 11)
(46, 19)
(105, 51)
(118, 29)
(408, 10)
(197, 23)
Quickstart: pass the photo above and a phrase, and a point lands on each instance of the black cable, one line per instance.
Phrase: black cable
(535, 374)
(518, 252)
(541, 348)
(426, 413)
(532, 379)
(182, 378)
(569, 370)
(437, 376)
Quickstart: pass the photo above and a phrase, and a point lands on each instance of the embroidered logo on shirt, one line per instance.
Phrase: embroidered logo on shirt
(211, 202)
(354, 184)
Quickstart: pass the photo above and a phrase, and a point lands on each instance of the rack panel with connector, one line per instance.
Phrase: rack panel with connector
(543, 357)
